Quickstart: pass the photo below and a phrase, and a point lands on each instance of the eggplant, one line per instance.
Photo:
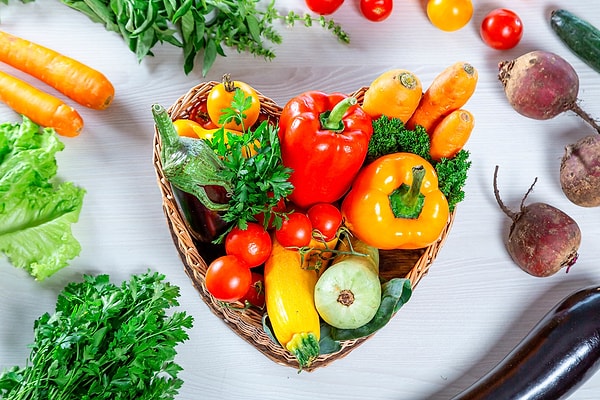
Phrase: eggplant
(556, 357)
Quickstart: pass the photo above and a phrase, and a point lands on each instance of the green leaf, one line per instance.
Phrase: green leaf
(36, 213)
(210, 55)
(184, 9)
(253, 27)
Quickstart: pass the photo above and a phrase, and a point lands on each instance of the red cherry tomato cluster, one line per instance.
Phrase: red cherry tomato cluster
(373, 10)
(235, 276)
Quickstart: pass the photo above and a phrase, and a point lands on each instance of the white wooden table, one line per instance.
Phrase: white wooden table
(471, 309)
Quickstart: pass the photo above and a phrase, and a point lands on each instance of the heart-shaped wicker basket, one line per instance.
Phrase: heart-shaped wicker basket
(411, 264)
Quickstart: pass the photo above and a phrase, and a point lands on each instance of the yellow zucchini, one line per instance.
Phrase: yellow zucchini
(289, 290)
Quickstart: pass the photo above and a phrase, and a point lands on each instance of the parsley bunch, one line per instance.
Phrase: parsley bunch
(253, 165)
(197, 27)
(104, 342)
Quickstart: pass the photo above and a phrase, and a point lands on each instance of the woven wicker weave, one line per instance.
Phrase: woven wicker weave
(411, 264)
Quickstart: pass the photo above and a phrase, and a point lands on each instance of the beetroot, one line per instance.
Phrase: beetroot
(542, 85)
(542, 239)
(580, 172)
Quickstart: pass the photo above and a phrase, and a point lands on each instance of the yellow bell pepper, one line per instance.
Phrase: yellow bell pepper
(395, 203)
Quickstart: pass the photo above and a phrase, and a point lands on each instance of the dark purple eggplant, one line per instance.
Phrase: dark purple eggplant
(195, 172)
(204, 225)
(557, 356)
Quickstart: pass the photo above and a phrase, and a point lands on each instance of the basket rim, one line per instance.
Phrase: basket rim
(244, 323)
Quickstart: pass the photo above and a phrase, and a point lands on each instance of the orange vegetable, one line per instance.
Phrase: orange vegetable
(75, 80)
(221, 96)
(187, 127)
(395, 203)
(193, 129)
(395, 94)
(451, 134)
(449, 91)
(42, 108)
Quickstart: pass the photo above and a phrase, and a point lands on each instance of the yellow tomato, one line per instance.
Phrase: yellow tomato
(449, 15)
(220, 97)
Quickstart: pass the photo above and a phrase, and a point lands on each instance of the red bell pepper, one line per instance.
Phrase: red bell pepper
(324, 140)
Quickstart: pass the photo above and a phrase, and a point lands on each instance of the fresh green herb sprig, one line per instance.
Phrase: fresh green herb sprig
(452, 176)
(104, 342)
(198, 27)
(253, 164)
(391, 136)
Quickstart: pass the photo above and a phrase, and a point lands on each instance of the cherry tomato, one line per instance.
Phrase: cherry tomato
(199, 113)
(221, 96)
(324, 7)
(449, 15)
(376, 10)
(501, 29)
(228, 278)
(256, 293)
(295, 231)
(325, 218)
(252, 245)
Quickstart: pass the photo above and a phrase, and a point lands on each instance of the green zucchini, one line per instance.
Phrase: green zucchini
(580, 36)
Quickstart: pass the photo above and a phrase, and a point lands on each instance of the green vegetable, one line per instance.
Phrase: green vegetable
(261, 180)
(581, 37)
(104, 342)
(391, 136)
(395, 293)
(189, 164)
(255, 183)
(452, 176)
(197, 27)
(36, 211)
(348, 293)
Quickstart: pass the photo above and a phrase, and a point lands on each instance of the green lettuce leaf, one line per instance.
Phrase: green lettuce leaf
(36, 213)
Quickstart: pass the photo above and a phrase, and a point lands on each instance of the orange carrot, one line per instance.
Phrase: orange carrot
(449, 91)
(451, 134)
(395, 93)
(75, 80)
(42, 108)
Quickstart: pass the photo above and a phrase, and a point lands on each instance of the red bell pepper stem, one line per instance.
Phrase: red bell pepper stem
(332, 120)
(407, 201)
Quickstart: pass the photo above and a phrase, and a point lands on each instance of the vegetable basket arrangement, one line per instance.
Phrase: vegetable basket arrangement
(406, 267)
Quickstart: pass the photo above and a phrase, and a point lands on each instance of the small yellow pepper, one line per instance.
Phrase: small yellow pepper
(190, 128)
(395, 203)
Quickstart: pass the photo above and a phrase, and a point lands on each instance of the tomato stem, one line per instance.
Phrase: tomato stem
(228, 84)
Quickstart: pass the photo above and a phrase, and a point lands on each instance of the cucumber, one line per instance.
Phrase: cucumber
(581, 37)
